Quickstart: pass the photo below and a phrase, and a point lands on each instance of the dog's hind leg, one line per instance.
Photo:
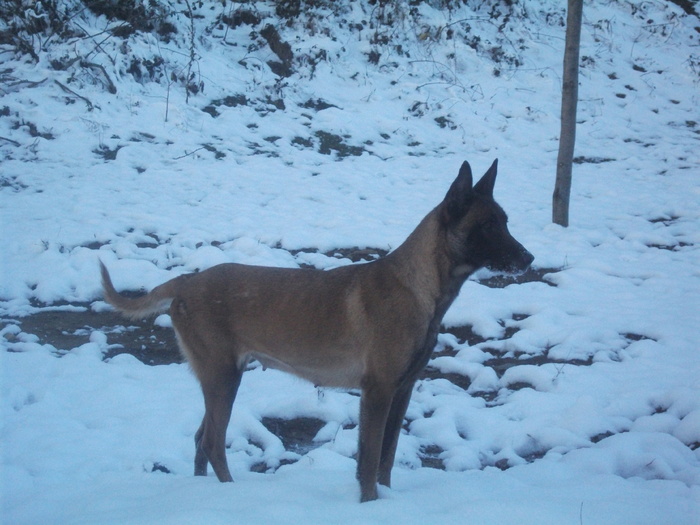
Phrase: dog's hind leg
(200, 458)
(219, 389)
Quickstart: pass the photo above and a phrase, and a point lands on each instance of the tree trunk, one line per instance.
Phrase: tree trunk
(569, 99)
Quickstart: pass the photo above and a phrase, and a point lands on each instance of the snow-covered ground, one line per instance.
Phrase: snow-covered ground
(351, 150)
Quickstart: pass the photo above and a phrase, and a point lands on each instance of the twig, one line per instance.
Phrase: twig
(13, 142)
(188, 154)
(69, 90)
(167, 99)
(168, 78)
(98, 45)
(442, 28)
(86, 35)
(110, 85)
(66, 23)
(21, 84)
(192, 52)
(227, 26)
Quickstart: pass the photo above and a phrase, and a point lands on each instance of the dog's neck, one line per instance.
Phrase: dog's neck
(422, 258)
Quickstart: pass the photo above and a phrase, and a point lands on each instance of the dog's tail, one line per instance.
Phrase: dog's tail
(156, 301)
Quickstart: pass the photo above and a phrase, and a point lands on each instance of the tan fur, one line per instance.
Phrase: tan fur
(370, 326)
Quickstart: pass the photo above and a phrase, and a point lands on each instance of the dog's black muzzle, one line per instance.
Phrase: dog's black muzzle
(516, 259)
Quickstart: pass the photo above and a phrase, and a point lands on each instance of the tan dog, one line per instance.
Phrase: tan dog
(371, 326)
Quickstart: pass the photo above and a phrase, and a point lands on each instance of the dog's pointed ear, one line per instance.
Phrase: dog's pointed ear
(485, 185)
(465, 175)
(456, 199)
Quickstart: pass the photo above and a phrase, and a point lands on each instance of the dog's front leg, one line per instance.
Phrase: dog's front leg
(392, 431)
(374, 408)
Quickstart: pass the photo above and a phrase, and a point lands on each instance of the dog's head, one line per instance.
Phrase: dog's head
(477, 227)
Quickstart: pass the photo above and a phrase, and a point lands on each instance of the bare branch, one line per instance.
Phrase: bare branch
(69, 90)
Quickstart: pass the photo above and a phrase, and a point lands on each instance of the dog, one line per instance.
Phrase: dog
(371, 326)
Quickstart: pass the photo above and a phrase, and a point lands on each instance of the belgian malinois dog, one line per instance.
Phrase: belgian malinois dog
(371, 326)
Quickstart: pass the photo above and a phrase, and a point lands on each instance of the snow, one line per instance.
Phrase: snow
(614, 440)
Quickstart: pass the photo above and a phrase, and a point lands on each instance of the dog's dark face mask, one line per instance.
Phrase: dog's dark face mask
(477, 227)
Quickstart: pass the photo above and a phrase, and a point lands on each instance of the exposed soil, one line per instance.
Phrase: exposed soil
(150, 344)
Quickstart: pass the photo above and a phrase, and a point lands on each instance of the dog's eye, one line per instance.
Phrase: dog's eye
(490, 223)
(494, 222)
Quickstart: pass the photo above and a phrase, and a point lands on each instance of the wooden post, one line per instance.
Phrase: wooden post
(569, 100)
